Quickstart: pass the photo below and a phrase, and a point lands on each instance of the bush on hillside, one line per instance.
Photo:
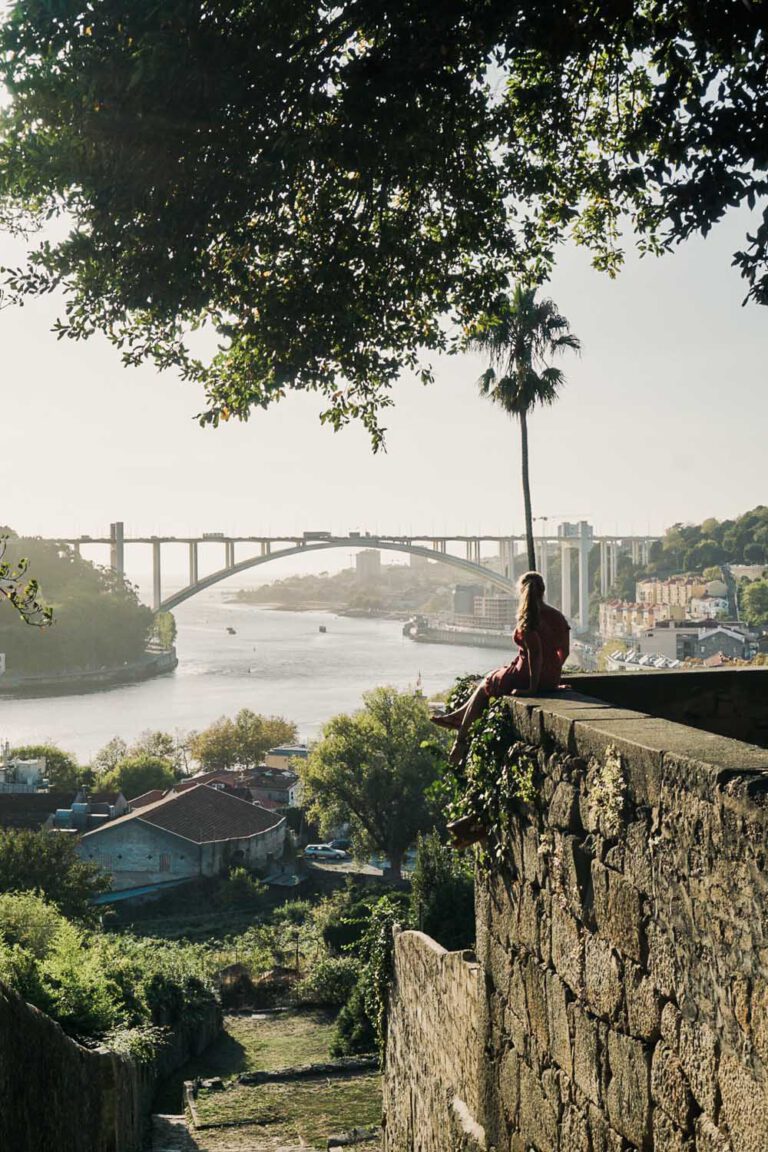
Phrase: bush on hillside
(330, 982)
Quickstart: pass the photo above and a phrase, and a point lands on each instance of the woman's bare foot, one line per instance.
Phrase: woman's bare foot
(449, 720)
(466, 831)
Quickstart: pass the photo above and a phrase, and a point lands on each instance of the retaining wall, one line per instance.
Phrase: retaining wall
(624, 953)
(56, 1096)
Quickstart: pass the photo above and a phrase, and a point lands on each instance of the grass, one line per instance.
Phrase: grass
(303, 1113)
(254, 1044)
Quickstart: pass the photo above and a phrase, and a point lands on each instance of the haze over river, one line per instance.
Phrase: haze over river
(277, 663)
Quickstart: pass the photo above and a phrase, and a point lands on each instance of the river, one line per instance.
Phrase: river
(277, 663)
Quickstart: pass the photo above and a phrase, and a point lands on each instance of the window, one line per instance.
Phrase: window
(165, 862)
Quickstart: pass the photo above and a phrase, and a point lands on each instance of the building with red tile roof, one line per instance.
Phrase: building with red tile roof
(200, 831)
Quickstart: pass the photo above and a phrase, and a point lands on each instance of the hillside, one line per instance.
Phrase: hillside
(98, 620)
(396, 589)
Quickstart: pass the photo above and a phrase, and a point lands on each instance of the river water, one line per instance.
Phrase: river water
(277, 663)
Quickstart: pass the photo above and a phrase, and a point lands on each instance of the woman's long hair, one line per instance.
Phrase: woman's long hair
(531, 596)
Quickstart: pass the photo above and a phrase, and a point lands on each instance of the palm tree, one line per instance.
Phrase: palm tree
(519, 336)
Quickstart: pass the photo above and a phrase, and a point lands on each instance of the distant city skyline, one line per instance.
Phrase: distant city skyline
(663, 419)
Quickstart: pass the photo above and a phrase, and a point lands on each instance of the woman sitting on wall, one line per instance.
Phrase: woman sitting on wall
(542, 637)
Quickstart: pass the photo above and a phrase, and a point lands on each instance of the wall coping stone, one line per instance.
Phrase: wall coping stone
(586, 726)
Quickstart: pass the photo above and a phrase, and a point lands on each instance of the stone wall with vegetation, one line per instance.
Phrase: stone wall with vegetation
(624, 952)
(56, 1096)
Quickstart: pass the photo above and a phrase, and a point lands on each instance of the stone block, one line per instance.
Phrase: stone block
(667, 1137)
(744, 1112)
(536, 1005)
(638, 865)
(643, 1005)
(602, 978)
(759, 1019)
(709, 1138)
(629, 1088)
(662, 961)
(538, 1120)
(618, 911)
(669, 1087)
(564, 809)
(527, 931)
(509, 1085)
(698, 1056)
(557, 1019)
(570, 872)
(603, 1137)
(586, 1052)
(670, 1025)
(567, 948)
(574, 1131)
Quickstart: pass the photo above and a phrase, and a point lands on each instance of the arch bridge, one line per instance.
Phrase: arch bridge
(570, 537)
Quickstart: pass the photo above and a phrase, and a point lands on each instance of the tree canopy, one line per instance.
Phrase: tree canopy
(61, 768)
(99, 620)
(339, 187)
(373, 770)
(138, 774)
(49, 865)
(240, 742)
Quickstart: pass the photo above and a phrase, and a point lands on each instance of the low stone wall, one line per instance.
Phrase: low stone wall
(624, 952)
(434, 1048)
(56, 1096)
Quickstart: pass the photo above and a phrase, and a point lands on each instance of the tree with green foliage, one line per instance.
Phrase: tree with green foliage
(21, 593)
(754, 603)
(337, 188)
(519, 336)
(139, 774)
(443, 893)
(48, 863)
(373, 769)
(61, 768)
(100, 622)
(108, 757)
(241, 741)
(703, 555)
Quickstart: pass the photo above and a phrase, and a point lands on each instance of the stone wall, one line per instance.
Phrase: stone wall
(56, 1096)
(434, 1053)
(624, 952)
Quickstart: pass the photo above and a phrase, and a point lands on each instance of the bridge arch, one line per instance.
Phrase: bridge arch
(503, 583)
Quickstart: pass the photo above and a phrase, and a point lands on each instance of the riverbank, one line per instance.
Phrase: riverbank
(79, 681)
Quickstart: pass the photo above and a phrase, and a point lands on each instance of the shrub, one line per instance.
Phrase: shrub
(242, 888)
(354, 1030)
(443, 894)
(294, 912)
(330, 982)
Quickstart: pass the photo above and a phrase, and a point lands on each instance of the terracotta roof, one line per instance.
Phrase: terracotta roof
(201, 815)
(264, 801)
(150, 797)
(221, 776)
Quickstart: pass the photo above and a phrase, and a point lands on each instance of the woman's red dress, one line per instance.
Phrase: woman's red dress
(552, 635)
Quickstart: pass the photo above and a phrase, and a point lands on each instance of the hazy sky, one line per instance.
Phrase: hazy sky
(663, 418)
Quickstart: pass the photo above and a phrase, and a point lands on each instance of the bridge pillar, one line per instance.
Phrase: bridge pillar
(266, 548)
(117, 547)
(613, 561)
(76, 546)
(565, 580)
(645, 552)
(193, 565)
(585, 547)
(229, 554)
(157, 592)
(604, 581)
(544, 560)
(635, 551)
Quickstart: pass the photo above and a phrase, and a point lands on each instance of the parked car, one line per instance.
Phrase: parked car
(342, 845)
(324, 852)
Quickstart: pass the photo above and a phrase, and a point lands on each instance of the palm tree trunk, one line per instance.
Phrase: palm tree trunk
(527, 493)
